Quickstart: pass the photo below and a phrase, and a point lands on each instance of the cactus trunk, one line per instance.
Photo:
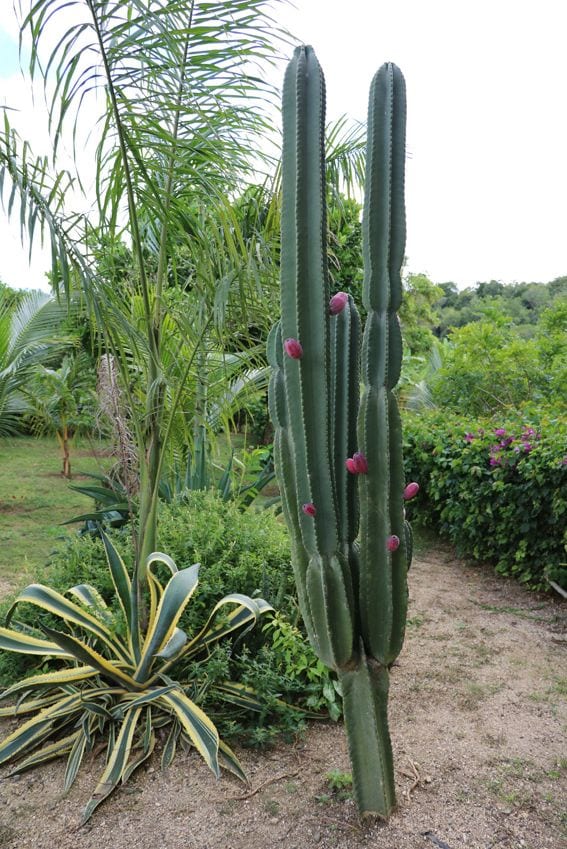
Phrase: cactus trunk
(338, 455)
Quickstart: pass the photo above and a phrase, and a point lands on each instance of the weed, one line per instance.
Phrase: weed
(272, 807)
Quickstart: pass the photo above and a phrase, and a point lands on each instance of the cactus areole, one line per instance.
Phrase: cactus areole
(334, 447)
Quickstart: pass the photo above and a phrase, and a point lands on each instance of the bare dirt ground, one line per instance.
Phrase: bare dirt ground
(478, 719)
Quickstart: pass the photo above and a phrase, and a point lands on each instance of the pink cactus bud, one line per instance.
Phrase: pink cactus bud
(393, 543)
(293, 349)
(309, 509)
(351, 466)
(338, 302)
(360, 462)
(411, 490)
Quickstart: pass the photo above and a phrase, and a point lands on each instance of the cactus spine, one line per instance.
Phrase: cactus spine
(338, 456)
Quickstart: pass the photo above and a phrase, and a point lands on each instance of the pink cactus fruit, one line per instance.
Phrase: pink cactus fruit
(338, 302)
(293, 349)
(360, 462)
(411, 490)
(393, 543)
(351, 466)
(309, 509)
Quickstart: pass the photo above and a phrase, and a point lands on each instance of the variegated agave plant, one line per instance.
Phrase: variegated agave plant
(113, 686)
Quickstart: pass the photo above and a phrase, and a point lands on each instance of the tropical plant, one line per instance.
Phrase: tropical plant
(62, 400)
(116, 684)
(353, 596)
(31, 333)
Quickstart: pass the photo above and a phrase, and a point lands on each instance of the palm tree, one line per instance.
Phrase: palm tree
(31, 333)
(174, 92)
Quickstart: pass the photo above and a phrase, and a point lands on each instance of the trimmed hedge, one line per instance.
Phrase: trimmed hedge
(496, 488)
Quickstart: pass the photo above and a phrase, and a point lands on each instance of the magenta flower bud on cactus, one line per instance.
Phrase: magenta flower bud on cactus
(309, 509)
(393, 543)
(351, 466)
(411, 490)
(293, 349)
(338, 302)
(360, 462)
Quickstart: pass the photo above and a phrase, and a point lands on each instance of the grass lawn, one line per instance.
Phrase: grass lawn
(35, 499)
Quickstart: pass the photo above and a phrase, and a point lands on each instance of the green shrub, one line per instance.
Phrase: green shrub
(497, 488)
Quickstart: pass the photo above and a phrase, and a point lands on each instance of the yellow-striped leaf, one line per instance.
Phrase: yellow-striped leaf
(53, 679)
(198, 726)
(247, 612)
(53, 602)
(172, 604)
(47, 753)
(116, 765)
(16, 641)
(81, 651)
(229, 761)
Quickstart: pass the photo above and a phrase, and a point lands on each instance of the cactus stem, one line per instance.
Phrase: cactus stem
(365, 704)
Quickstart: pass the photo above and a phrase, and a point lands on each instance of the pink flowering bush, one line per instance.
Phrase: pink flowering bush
(497, 489)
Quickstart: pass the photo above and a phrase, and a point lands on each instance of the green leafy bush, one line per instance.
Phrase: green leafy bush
(489, 366)
(246, 552)
(497, 488)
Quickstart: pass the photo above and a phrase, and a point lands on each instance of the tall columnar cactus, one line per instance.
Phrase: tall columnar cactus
(338, 454)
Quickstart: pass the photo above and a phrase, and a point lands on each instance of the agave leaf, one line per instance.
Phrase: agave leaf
(240, 694)
(170, 747)
(175, 598)
(120, 579)
(62, 676)
(116, 765)
(28, 707)
(81, 651)
(139, 758)
(147, 697)
(229, 761)
(47, 753)
(90, 597)
(197, 725)
(75, 759)
(174, 645)
(16, 641)
(31, 733)
(247, 612)
(53, 602)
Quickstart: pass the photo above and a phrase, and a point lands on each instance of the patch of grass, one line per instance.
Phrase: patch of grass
(272, 807)
(415, 621)
(475, 694)
(35, 499)
(515, 611)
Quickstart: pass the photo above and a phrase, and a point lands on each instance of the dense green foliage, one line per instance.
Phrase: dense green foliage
(489, 366)
(520, 303)
(496, 488)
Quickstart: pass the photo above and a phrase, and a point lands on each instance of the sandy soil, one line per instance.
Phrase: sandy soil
(478, 719)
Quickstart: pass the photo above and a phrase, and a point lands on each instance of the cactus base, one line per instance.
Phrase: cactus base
(365, 704)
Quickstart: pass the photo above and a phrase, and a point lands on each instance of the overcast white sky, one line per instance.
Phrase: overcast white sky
(486, 182)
